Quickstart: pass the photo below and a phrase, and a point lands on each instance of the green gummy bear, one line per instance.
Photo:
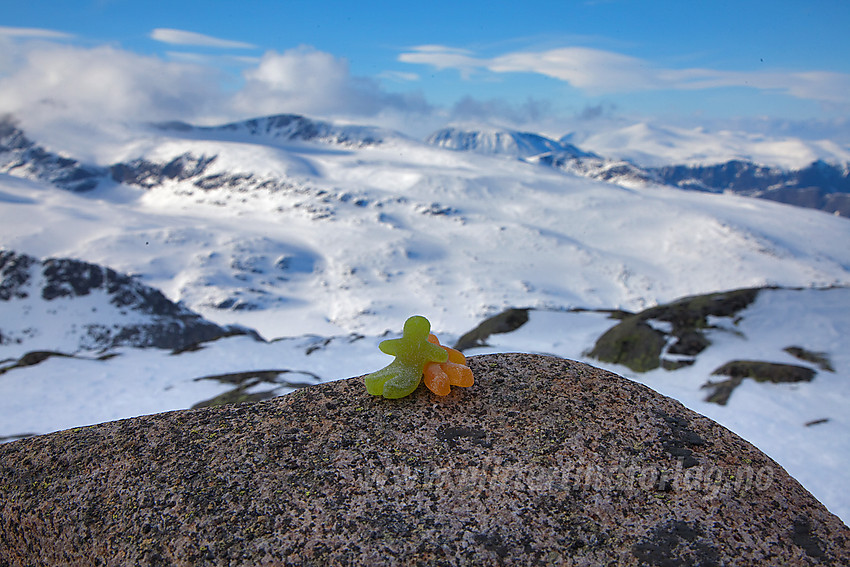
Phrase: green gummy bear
(412, 352)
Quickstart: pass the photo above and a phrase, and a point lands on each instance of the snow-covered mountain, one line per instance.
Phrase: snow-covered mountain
(324, 241)
(287, 127)
(343, 238)
(818, 185)
(535, 148)
(656, 145)
(21, 157)
(67, 305)
(502, 142)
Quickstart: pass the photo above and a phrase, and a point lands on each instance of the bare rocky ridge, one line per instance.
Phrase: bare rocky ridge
(146, 317)
(542, 461)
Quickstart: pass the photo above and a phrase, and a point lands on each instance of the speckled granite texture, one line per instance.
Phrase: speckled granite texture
(543, 461)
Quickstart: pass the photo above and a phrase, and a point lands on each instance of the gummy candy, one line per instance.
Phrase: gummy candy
(439, 377)
(412, 352)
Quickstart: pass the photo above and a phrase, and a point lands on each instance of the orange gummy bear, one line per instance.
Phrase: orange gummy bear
(440, 376)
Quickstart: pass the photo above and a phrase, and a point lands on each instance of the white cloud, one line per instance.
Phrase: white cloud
(305, 80)
(33, 33)
(443, 57)
(60, 91)
(588, 69)
(598, 72)
(212, 60)
(499, 111)
(400, 76)
(182, 37)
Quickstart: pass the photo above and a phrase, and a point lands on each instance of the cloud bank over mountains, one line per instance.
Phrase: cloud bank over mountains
(46, 83)
(55, 84)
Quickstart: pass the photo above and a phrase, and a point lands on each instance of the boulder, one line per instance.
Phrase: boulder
(542, 461)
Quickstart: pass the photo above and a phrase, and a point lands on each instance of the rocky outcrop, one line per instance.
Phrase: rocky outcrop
(614, 171)
(668, 335)
(293, 127)
(819, 185)
(21, 157)
(504, 322)
(542, 461)
(148, 174)
(758, 370)
(117, 310)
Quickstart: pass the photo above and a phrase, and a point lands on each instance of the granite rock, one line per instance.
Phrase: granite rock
(543, 461)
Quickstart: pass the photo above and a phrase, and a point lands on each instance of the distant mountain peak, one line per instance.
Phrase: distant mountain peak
(292, 127)
(502, 141)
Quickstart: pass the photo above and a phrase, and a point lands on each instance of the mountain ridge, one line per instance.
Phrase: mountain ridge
(819, 185)
(292, 127)
(502, 141)
(117, 310)
(436, 218)
(22, 157)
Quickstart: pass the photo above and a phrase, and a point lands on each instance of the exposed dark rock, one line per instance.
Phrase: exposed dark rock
(819, 358)
(759, 371)
(636, 343)
(632, 343)
(543, 461)
(505, 322)
(149, 174)
(32, 358)
(14, 274)
(169, 325)
(766, 371)
(819, 185)
(594, 167)
(21, 157)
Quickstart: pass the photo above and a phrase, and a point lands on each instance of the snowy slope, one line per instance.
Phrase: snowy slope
(98, 308)
(335, 239)
(652, 145)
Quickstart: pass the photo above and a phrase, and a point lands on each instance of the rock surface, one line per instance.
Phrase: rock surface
(542, 461)
(639, 344)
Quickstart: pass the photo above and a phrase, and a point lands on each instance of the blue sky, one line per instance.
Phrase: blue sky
(411, 65)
